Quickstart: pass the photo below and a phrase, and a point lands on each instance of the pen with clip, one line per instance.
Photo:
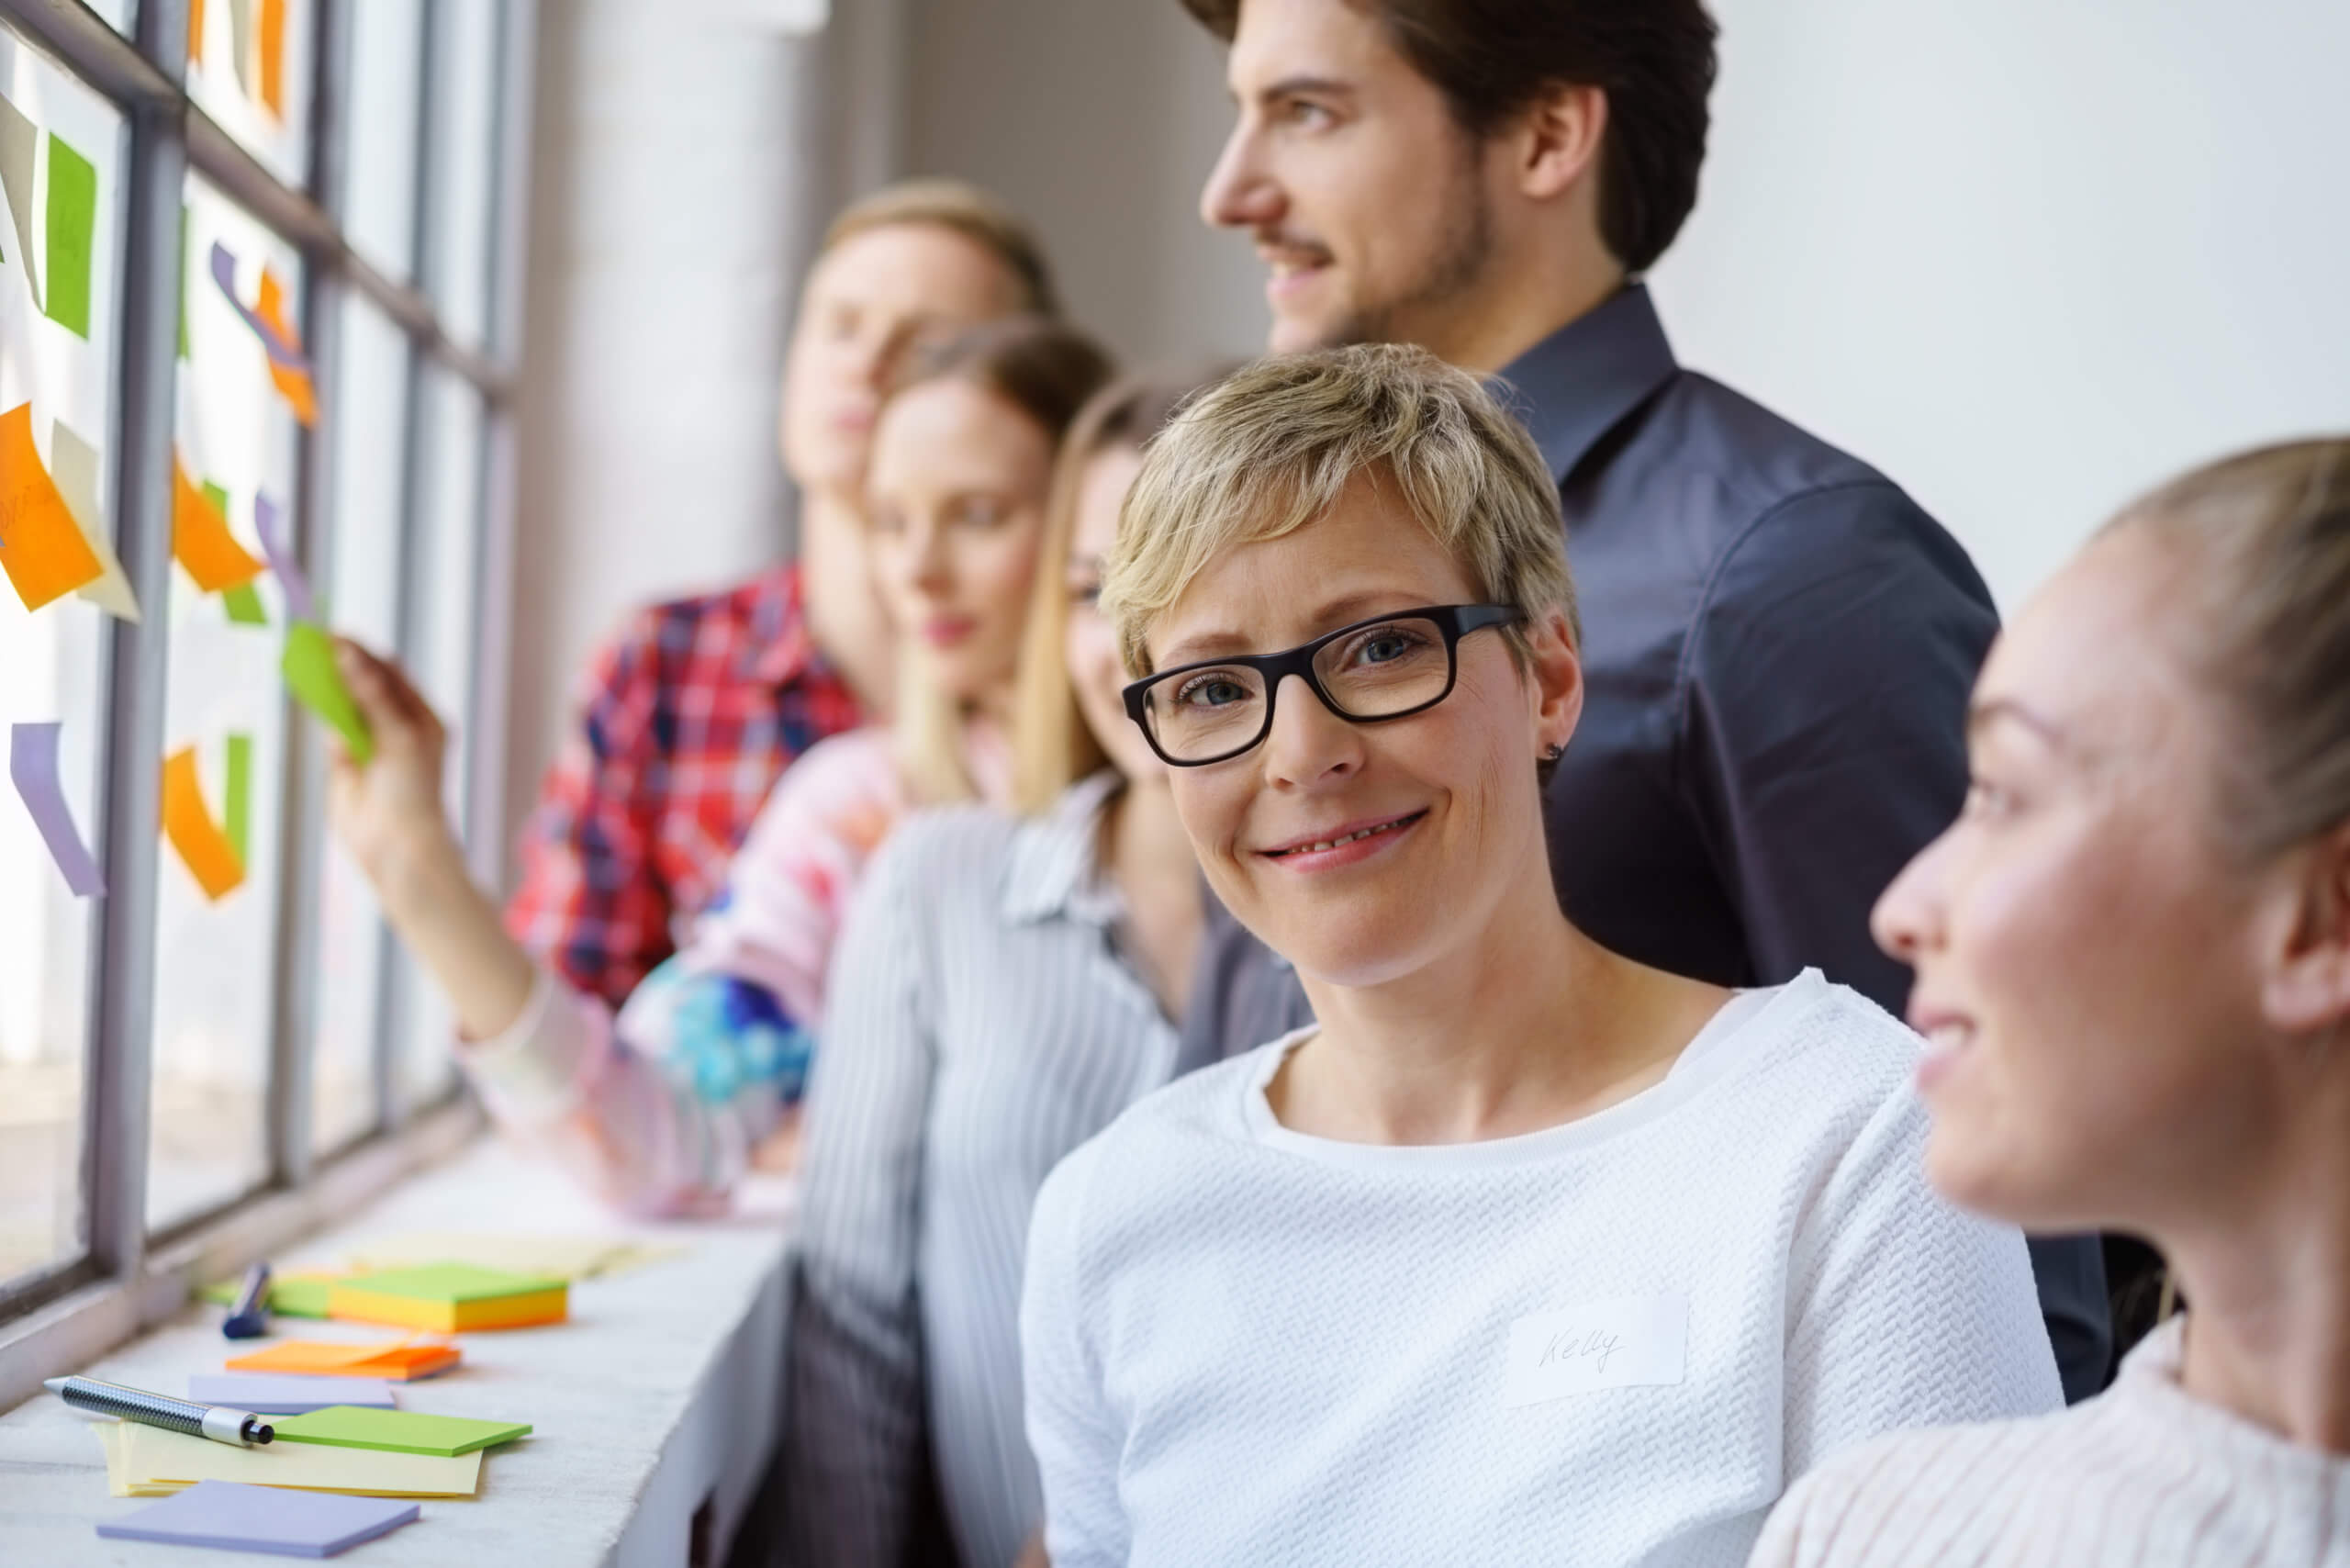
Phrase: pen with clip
(218, 1422)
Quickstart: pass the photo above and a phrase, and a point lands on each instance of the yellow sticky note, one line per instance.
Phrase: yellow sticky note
(201, 542)
(203, 846)
(556, 1257)
(42, 547)
(153, 1457)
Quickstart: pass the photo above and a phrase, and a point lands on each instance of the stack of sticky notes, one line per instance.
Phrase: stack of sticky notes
(397, 1431)
(271, 1394)
(261, 1519)
(450, 1298)
(148, 1462)
(398, 1361)
(290, 1295)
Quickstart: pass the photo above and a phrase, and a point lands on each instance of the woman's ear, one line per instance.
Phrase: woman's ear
(2305, 988)
(1556, 668)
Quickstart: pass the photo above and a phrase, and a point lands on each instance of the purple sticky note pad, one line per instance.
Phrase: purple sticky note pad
(32, 767)
(274, 1394)
(238, 1517)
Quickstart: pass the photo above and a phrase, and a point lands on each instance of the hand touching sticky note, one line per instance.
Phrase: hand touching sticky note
(317, 683)
(42, 547)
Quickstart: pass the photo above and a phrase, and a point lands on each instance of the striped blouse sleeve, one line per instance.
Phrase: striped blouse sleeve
(855, 1432)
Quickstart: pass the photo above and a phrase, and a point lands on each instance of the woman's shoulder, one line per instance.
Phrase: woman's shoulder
(1196, 1120)
(1821, 1042)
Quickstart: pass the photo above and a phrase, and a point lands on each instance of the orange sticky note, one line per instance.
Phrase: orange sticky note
(201, 542)
(398, 1361)
(195, 31)
(293, 383)
(188, 824)
(272, 56)
(41, 546)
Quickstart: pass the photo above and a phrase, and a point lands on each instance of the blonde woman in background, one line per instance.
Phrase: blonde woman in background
(658, 1106)
(1007, 984)
(2133, 966)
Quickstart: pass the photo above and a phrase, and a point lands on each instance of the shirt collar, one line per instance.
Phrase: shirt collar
(782, 648)
(1573, 387)
(1051, 872)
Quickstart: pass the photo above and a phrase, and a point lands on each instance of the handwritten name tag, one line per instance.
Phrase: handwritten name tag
(1620, 1343)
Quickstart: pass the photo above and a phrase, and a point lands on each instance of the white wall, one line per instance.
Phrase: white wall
(2027, 256)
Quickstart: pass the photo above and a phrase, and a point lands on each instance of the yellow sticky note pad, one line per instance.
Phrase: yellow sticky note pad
(152, 1458)
(554, 1257)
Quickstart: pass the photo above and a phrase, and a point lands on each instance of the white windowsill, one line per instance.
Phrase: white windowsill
(659, 1397)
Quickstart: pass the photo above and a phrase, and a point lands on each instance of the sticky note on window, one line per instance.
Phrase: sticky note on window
(32, 768)
(451, 1297)
(201, 542)
(278, 551)
(73, 217)
(396, 1431)
(317, 683)
(272, 56)
(289, 370)
(238, 1517)
(200, 842)
(42, 547)
(20, 145)
(73, 465)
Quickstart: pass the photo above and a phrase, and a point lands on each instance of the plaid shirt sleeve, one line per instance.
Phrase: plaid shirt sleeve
(592, 904)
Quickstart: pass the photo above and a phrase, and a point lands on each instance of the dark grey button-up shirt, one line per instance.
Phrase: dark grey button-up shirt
(1778, 646)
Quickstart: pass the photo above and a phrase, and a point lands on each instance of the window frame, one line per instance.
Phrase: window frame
(125, 1278)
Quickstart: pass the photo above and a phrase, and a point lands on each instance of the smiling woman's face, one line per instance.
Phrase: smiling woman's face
(1449, 793)
(2085, 952)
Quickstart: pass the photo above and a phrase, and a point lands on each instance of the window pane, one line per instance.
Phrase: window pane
(440, 654)
(464, 166)
(387, 72)
(248, 68)
(224, 731)
(119, 14)
(362, 600)
(60, 163)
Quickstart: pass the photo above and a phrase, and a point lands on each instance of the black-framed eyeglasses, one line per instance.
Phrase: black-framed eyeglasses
(1387, 667)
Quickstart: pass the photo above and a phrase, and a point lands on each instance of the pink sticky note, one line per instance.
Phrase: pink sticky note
(32, 767)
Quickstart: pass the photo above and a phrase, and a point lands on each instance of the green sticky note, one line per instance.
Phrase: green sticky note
(237, 800)
(73, 221)
(290, 1295)
(317, 683)
(397, 1431)
(453, 1281)
(244, 606)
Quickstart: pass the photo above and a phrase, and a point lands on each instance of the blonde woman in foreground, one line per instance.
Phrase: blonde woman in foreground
(2133, 965)
(1526, 1253)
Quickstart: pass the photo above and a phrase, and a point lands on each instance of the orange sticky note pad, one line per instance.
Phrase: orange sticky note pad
(201, 542)
(399, 1361)
(204, 849)
(42, 547)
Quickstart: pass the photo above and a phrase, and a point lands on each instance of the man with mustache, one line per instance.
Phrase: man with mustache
(1778, 643)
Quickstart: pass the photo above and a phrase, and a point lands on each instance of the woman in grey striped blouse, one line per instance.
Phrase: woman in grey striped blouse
(1004, 987)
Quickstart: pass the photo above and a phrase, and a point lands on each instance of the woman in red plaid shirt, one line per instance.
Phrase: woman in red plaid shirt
(658, 1106)
(695, 709)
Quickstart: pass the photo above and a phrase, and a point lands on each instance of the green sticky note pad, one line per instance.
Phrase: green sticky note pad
(396, 1431)
(73, 219)
(451, 1282)
(317, 683)
(290, 1295)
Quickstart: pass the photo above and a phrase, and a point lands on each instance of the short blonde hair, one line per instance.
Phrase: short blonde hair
(1271, 447)
(965, 209)
(1051, 746)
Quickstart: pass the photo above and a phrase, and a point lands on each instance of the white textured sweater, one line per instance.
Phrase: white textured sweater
(2144, 1476)
(1609, 1342)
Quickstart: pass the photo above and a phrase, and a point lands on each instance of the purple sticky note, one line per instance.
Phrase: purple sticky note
(269, 523)
(238, 1517)
(278, 1394)
(224, 273)
(32, 767)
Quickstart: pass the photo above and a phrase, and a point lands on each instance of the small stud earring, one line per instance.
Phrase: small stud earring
(1553, 753)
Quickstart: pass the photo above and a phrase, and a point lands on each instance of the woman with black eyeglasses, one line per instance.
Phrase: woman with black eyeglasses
(1524, 1252)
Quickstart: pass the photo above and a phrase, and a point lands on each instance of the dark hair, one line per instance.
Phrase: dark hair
(1045, 368)
(1654, 59)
